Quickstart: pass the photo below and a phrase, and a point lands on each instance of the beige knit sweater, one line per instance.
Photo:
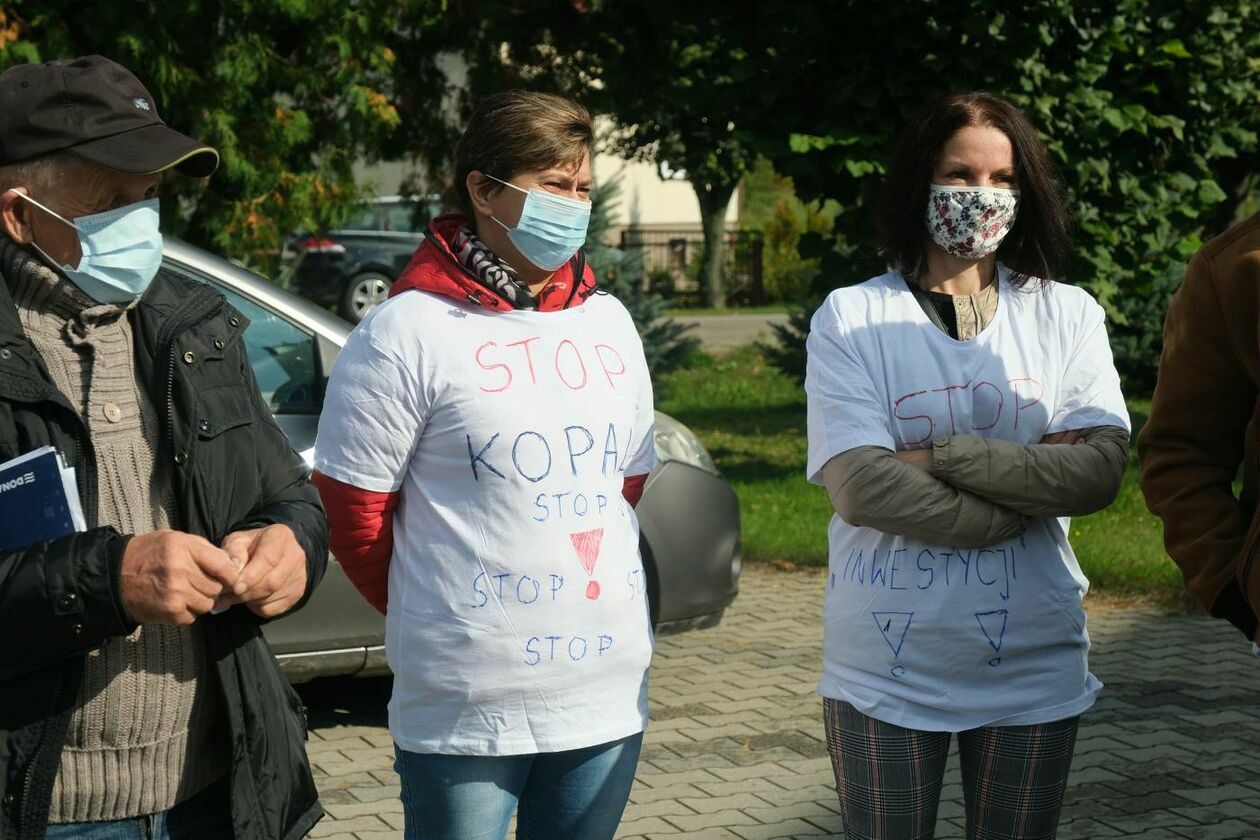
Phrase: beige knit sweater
(145, 734)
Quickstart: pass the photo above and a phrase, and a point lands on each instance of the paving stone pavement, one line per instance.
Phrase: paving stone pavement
(736, 748)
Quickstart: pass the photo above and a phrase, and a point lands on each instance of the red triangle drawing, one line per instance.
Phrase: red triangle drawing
(586, 544)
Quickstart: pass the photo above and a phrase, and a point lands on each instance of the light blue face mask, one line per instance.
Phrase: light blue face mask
(551, 228)
(121, 251)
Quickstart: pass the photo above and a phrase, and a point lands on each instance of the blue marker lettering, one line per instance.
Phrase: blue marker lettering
(1008, 570)
(580, 505)
(610, 448)
(892, 575)
(605, 644)
(878, 572)
(553, 640)
(485, 598)
(557, 581)
(853, 569)
(964, 557)
(473, 459)
(928, 569)
(568, 439)
(980, 574)
(521, 583)
(541, 503)
(499, 579)
(581, 655)
(516, 461)
(529, 649)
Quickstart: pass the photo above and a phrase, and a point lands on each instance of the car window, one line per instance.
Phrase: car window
(364, 219)
(283, 355)
(402, 217)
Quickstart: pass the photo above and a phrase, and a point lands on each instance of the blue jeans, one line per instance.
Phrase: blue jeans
(206, 816)
(572, 795)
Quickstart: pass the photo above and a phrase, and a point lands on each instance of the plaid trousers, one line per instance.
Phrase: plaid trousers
(889, 778)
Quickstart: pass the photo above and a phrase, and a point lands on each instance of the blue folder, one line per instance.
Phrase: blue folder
(39, 500)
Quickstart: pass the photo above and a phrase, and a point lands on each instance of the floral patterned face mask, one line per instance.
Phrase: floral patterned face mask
(970, 222)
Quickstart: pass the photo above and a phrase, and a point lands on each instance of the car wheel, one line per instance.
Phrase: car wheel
(364, 293)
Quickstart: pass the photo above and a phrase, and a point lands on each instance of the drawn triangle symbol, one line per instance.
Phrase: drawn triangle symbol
(893, 625)
(586, 544)
(993, 625)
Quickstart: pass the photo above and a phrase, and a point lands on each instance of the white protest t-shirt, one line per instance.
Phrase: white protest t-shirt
(518, 620)
(937, 637)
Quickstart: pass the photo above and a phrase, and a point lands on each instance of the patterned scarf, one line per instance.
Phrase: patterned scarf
(492, 272)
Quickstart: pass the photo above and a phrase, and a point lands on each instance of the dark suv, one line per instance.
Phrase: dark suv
(351, 269)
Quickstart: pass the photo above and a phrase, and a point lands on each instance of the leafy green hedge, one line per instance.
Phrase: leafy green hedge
(1151, 109)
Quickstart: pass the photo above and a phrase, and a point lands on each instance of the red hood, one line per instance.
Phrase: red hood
(435, 268)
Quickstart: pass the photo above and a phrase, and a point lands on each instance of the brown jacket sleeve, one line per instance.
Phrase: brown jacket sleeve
(1041, 479)
(1193, 444)
(870, 488)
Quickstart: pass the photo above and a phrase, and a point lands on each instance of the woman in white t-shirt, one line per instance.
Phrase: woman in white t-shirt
(485, 436)
(961, 407)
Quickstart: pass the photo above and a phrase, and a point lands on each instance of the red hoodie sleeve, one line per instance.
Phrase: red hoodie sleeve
(361, 526)
(632, 488)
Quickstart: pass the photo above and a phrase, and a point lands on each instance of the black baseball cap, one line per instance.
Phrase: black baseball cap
(97, 109)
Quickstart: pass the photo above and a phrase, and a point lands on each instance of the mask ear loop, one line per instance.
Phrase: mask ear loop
(43, 207)
(506, 184)
(56, 216)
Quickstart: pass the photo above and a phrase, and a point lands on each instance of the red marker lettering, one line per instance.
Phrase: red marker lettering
(507, 370)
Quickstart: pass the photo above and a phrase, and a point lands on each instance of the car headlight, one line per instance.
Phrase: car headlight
(675, 442)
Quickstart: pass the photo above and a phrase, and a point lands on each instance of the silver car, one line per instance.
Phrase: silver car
(689, 515)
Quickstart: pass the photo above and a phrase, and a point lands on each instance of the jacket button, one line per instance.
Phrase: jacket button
(190, 357)
(181, 457)
(204, 425)
(9, 799)
(68, 601)
(234, 321)
(77, 629)
(6, 353)
(218, 344)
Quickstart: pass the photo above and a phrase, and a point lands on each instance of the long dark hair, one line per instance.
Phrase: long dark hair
(1039, 241)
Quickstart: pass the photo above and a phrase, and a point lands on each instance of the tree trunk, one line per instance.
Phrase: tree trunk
(713, 203)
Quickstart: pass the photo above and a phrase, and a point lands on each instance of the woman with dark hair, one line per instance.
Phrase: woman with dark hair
(961, 407)
(486, 434)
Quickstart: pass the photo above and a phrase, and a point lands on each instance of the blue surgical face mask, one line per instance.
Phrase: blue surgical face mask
(121, 251)
(551, 227)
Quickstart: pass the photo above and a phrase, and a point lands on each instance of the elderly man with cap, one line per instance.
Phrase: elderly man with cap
(137, 696)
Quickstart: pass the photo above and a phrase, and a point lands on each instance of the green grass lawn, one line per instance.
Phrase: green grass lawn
(752, 419)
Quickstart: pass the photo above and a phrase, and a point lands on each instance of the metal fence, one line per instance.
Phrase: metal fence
(673, 264)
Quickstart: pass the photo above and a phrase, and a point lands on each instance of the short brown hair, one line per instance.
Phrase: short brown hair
(517, 131)
(1038, 244)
